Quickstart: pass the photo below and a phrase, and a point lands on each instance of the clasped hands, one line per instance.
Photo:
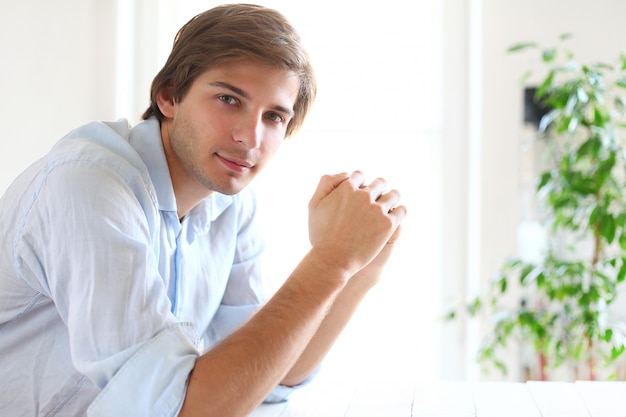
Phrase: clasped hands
(354, 222)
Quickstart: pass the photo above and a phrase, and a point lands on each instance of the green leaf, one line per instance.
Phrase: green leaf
(521, 46)
(525, 76)
(548, 54)
(621, 220)
(545, 178)
(616, 351)
(565, 36)
(529, 274)
(474, 307)
(604, 169)
(573, 124)
(545, 85)
(621, 274)
(602, 66)
(547, 120)
(503, 284)
(621, 82)
(595, 214)
(599, 117)
(607, 228)
(572, 100)
(500, 366)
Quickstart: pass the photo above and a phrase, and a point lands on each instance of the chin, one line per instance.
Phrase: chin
(227, 186)
(230, 189)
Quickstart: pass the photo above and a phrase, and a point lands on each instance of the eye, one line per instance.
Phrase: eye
(275, 117)
(228, 99)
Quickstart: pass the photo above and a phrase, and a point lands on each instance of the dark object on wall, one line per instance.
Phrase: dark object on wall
(534, 110)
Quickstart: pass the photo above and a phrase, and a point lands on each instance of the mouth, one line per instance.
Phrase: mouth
(235, 164)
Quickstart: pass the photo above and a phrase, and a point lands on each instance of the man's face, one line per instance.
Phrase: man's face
(227, 127)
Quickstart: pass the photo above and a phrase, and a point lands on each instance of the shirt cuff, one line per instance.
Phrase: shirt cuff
(282, 393)
(153, 382)
(227, 319)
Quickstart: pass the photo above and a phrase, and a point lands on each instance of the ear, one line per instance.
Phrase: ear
(166, 102)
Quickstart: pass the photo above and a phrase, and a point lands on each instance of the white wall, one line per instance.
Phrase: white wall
(57, 62)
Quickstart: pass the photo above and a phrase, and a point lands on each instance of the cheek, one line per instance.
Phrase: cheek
(271, 146)
(267, 151)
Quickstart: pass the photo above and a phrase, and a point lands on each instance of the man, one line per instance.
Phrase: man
(130, 279)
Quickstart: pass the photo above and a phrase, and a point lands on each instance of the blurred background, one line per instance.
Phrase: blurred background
(423, 93)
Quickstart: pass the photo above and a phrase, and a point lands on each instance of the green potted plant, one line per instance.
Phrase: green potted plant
(563, 301)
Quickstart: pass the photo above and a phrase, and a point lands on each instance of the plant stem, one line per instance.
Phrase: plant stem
(543, 364)
(590, 362)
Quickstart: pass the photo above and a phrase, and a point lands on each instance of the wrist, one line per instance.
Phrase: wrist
(331, 265)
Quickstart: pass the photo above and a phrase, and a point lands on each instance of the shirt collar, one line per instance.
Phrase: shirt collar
(145, 137)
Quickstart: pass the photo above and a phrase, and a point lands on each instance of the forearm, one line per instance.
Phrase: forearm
(340, 313)
(255, 358)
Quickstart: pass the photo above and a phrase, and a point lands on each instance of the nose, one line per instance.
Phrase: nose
(249, 131)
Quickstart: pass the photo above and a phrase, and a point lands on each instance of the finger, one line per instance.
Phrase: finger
(389, 199)
(376, 188)
(394, 236)
(326, 185)
(399, 213)
(357, 179)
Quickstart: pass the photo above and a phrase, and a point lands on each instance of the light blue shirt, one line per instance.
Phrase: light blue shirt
(106, 298)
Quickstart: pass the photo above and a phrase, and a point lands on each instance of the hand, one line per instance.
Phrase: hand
(353, 221)
(372, 272)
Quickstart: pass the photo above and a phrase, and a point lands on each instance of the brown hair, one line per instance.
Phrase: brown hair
(230, 32)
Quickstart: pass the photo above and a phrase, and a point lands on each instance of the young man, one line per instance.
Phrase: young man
(130, 279)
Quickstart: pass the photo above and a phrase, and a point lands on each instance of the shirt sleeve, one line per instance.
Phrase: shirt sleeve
(126, 392)
(87, 243)
(282, 393)
(248, 286)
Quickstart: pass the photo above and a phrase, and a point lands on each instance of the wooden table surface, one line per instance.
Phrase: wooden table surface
(453, 399)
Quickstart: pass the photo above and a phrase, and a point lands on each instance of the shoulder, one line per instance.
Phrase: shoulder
(99, 151)
(92, 169)
(98, 142)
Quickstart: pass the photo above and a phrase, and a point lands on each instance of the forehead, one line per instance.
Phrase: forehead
(246, 72)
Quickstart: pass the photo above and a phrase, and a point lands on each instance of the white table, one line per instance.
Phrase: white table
(453, 399)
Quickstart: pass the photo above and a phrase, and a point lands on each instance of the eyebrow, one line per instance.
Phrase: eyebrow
(245, 95)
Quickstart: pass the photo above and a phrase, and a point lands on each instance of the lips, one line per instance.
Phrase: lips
(235, 164)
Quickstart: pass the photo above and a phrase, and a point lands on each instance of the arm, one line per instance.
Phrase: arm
(261, 353)
(342, 310)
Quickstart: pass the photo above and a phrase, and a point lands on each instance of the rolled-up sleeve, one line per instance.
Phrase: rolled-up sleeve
(147, 385)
